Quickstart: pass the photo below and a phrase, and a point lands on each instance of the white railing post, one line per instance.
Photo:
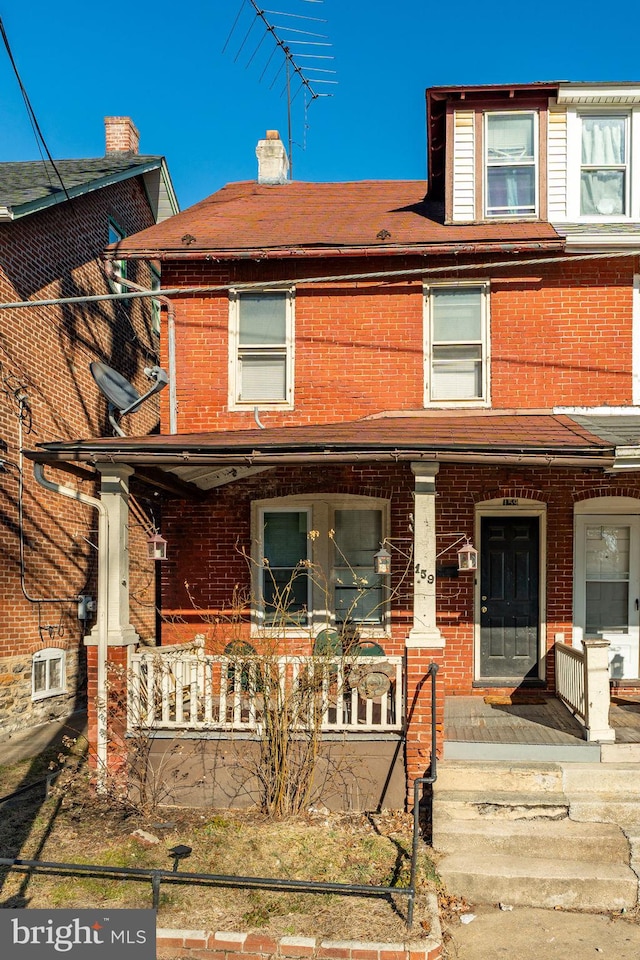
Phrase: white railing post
(597, 694)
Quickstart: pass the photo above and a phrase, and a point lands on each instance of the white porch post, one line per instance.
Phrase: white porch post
(597, 695)
(114, 494)
(424, 632)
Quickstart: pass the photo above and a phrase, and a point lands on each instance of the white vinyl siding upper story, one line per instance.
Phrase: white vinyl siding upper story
(464, 196)
(588, 163)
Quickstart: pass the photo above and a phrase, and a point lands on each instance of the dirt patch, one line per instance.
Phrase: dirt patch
(73, 826)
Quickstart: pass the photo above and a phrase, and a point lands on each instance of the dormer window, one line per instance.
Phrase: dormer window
(603, 169)
(511, 174)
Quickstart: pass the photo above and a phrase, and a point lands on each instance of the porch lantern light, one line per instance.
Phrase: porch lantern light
(467, 557)
(382, 561)
(156, 547)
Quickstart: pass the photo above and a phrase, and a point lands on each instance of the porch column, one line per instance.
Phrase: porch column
(424, 632)
(425, 643)
(597, 694)
(112, 634)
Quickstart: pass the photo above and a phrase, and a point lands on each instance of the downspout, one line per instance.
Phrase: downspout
(171, 337)
(102, 613)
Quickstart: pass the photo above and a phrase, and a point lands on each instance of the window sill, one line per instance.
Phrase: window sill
(47, 694)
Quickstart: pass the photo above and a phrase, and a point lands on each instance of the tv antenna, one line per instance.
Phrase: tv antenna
(287, 39)
(122, 396)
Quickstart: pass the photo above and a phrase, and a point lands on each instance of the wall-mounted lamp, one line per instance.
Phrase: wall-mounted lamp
(467, 558)
(467, 554)
(382, 561)
(156, 547)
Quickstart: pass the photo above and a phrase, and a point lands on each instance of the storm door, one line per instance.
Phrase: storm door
(509, 598)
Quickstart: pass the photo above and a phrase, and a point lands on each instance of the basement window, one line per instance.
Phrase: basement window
(48, 673)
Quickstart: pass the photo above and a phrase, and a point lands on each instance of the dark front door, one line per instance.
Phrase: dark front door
(509, 591)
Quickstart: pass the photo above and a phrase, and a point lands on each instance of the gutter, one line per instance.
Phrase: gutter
(282, 253)
(255, 457)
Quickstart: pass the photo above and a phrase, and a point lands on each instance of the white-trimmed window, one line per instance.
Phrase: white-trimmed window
(604, 151)
(511, 163)
(48, 673)
(155, 304)
(119, 266)
(456, 344)
(261, 349)
(314, 562)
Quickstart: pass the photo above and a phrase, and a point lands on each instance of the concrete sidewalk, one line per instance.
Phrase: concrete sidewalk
(22, 745)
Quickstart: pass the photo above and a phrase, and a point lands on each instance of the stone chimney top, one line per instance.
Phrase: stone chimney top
(273, 162)
(121, 135)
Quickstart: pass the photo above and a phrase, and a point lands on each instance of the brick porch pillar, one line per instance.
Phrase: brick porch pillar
(425, 643)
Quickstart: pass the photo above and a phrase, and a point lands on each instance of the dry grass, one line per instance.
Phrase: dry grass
(74, 826)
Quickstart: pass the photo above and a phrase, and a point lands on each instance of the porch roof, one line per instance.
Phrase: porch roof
(527, 437)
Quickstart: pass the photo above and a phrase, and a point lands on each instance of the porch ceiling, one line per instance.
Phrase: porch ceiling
(207, 460)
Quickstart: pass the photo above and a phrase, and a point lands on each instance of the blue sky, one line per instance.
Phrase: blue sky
(163, 64)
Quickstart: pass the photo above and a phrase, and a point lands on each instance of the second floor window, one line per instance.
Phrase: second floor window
(603, 166)
(456, 344)
(261, 349)
(510, 164)
(119, 266)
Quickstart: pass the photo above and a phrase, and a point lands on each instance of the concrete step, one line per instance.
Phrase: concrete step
(497, 805)
(503, 777)
(603, 808)
(538, 839)
(531, 752)
(603, 779)
(522, 881)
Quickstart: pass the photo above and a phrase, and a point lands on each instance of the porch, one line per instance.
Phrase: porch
(534, 727)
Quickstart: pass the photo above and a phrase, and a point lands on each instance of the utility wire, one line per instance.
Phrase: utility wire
(340, 277)
(30, 110)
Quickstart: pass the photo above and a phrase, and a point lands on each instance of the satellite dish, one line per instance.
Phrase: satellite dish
(122, 396)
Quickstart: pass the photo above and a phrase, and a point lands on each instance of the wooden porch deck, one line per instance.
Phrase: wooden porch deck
(537, 725)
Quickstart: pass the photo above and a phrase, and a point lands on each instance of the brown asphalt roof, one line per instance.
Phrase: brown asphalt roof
(539, 433)
(382, 215)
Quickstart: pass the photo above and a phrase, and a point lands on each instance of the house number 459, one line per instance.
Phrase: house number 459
(423, 575)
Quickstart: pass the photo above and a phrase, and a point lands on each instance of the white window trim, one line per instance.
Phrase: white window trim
(635, 341)
(119, 266)
(234, 344)
(47, 655)
(320, 509)
(624, 510)
(502, 215)
(574, 162)
(485, 399)
(156, 284)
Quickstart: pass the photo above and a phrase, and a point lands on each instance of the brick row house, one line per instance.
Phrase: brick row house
(368, 378)
(55, 220)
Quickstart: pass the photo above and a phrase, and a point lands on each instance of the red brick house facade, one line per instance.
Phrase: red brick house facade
(54, 223)
(413, 367)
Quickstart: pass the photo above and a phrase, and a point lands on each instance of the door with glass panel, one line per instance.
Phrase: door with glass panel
(607, 589)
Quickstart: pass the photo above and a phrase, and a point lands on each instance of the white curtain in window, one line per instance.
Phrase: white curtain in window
(602, 189)
(510, 137)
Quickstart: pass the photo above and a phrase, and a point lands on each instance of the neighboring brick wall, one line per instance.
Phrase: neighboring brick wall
(359, 347)
(45, 354)
(199, 945)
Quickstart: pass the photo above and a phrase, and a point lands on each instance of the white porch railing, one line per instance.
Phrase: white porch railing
(582, 683)
(188, 690)
(570, 679)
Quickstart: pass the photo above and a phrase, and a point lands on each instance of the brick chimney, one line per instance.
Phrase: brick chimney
(121, 135)
(273, 162)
